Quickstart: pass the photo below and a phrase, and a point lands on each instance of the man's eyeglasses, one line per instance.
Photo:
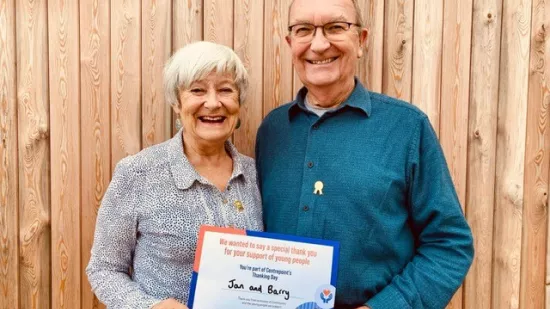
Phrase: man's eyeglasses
(334, 31)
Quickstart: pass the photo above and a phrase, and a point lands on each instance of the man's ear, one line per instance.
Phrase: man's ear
(287, 38)
(363, 36)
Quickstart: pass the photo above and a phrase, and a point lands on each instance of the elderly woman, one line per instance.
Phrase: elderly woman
(146, 232)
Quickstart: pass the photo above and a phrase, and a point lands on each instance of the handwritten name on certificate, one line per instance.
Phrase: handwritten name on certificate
(246, 269)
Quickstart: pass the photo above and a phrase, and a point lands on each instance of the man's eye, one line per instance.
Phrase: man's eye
(226, 89)
(335, 28)
(302, 30)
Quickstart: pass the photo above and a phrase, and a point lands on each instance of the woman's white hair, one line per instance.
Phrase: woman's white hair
(195, 61)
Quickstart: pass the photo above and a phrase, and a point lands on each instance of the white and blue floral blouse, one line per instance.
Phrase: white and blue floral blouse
(147, 225)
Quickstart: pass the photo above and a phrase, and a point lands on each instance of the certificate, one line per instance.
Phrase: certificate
(246, 269)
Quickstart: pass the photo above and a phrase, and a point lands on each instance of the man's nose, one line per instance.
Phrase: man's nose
(212, 101)
(319, 42)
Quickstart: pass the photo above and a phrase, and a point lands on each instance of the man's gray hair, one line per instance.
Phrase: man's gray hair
(194, 62)
(358, 15)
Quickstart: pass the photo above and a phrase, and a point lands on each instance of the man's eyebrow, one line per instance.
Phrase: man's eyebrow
(301, 21)
(331, 20)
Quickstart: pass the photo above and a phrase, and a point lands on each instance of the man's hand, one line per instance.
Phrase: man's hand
(169, 303)
(363, 307)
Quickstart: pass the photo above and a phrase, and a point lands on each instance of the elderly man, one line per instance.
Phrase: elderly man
(346, 164)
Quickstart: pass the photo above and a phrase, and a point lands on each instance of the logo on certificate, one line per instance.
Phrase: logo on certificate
(324, 296)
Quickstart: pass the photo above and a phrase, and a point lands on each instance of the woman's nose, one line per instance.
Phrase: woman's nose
(212, 101)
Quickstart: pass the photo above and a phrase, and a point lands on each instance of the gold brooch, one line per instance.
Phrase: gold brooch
(239, 205)
(318, 188)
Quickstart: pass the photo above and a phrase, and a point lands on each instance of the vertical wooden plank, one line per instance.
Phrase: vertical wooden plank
(9, 203)
(398, 40)
(34, 153)
(64, 73)
(157, 47)
(188, 22)
(537, 163)
(95, 101)
(277, 57)
(455, 87)
(482, 121)
(218, 21)
(187, 27)
(428, 37)
(371, 65)
(512, 112)
(125, 79)
(249, 46)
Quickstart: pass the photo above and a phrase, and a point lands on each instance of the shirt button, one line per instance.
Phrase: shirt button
(224, 201)
(306, 208)
(310, 164)
(315, 126)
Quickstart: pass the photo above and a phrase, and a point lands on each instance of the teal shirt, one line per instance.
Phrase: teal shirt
(387, 197)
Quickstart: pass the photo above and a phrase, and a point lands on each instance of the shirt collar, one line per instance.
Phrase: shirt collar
(184, 173)
(359, 99)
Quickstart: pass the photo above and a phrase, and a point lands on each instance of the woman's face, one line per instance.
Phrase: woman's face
(210, 108)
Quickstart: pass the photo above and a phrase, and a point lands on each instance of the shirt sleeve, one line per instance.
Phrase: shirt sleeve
(114, 241)
(445, 246)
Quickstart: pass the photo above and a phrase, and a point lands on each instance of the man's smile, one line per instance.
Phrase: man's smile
(324, 61)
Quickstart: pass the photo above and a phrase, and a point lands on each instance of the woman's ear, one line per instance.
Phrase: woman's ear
(177, 107)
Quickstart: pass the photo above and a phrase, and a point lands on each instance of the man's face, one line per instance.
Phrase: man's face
(324, 62)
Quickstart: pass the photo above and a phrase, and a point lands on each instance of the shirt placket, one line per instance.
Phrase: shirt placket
(310, 192)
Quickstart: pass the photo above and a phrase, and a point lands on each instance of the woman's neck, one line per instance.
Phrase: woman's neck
(204, 153)
(210, 160)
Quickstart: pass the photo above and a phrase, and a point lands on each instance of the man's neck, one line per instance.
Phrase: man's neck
(329, 97)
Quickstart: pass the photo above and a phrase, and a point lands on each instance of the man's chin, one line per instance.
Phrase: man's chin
(321, 81)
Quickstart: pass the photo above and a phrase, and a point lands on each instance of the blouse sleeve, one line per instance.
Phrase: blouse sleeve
(114, 242)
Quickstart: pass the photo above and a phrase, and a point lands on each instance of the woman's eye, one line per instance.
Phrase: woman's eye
(196, 90)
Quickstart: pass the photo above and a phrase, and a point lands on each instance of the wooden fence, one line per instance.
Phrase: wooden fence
(81, 87)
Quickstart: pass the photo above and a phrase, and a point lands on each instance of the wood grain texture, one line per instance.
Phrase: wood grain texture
(218, 21)
(427, 49)
(9, 202)
(187, 22)
(398, 40)
(95, 131)
(482, 127)
(187, 26)
(64, 73)
(492, 121)
(455, 88)
(537, 163)
(277, 56)
(511, 129)
(125, 79)
(249, 46)
(371, 64)
(34, 153)
(156, 49)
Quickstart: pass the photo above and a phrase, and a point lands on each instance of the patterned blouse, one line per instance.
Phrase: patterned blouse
(149, 220)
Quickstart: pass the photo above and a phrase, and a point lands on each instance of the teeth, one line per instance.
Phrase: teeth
(322, 61)
(212, 118)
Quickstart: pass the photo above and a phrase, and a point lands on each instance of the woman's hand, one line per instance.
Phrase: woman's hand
(169, 303)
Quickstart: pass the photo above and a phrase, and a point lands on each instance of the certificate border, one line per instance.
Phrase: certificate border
(228, 230)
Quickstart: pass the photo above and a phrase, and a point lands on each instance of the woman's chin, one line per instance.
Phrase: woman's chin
(214, 136)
